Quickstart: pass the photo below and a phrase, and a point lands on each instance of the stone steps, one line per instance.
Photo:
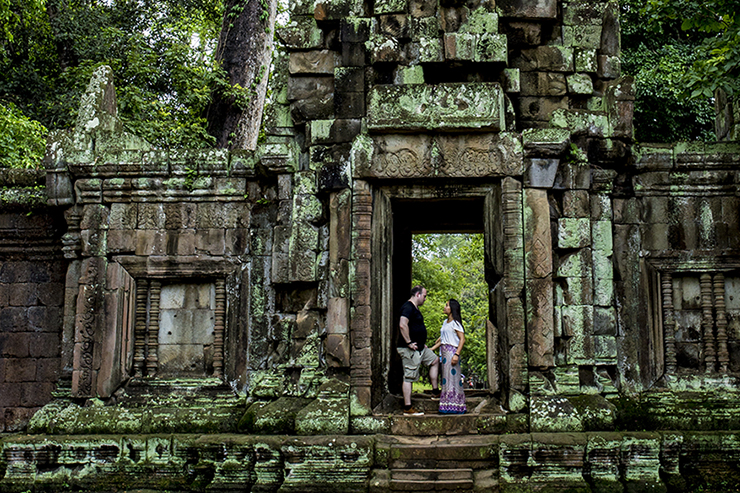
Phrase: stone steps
(435, 463)
(484, 416)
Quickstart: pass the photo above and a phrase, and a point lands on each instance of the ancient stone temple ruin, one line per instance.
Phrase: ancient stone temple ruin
(190, 320)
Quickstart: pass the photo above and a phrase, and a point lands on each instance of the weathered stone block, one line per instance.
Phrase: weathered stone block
(540, 108)
(585, 60)
(313, 62)
(524, 34)
(325, 415)
(301, 33)
(311, 97)
(602, 265)
(421, 107)
(409, 75)
(553, 414)
(395, 25)
(512, 80)
(334, 10)
(545, 59)
(423, 8)
(578, 324)
(574, 232)
(603, 292)
(430, 50)
(575, 291)
(491, 48)
(610, 67)
(582, 121)
(349, 79)
(539, 296)
(577, 13)
(576, 203)
(610, 31)
(384, 49)
(537, 237)
(580, 84)
(575, 264)
(459, 46)
(543, 84)
(540, 173)
(390, 6)
(573, 176)
(543, 9)
(425, 28)
(545, 142)
(582, 36)
(605, 321)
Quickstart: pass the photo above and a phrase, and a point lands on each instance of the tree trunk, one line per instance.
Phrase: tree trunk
(245, 52)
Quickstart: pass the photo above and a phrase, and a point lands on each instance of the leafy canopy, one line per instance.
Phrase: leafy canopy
(22, 140)
(659, 57)
(161, 54)
(452, 266)
(718, 63)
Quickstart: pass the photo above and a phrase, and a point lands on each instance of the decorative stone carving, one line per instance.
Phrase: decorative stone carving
(425, 107)
(444, 155)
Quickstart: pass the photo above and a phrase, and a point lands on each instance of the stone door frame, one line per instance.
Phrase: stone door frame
(372, 300)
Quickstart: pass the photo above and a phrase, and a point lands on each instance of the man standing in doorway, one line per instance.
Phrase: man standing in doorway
(413, 349)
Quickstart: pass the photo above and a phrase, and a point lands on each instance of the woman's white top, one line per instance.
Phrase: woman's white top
(449, 334)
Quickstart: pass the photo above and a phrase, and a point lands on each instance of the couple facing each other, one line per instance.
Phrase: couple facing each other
(414, 352)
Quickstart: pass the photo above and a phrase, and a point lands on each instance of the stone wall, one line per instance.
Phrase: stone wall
(32, 273)
(246, 296)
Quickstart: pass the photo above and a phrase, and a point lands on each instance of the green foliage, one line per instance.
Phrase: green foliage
(161, 54)
(717, 65)
(452, 266)
(660, 62)
(662, 112)
(22, 140)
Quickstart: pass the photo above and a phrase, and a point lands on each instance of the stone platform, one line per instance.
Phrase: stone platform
(583, 462)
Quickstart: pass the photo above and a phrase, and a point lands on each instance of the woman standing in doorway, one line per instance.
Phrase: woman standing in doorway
(451, 341)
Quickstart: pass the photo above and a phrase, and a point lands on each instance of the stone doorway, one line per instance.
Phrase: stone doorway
(399, 212)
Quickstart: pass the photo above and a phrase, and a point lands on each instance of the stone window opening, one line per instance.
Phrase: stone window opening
(179, 329)
(698, 315)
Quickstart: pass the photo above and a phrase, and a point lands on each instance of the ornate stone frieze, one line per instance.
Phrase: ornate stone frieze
(443, 155)
(430, 107)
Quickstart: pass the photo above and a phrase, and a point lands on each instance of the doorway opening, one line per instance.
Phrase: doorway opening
(417, 220)
(451, 266)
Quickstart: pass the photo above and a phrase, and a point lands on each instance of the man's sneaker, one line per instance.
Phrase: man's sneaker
(435, 394)
(412, 412)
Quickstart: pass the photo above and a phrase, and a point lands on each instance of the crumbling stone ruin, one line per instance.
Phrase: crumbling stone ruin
(224, 321)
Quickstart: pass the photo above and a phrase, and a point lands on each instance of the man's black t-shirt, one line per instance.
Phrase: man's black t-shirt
(417, 329)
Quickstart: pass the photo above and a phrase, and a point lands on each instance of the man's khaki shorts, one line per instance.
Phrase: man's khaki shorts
(412, 361)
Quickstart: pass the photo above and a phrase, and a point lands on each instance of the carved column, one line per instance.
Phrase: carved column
(218, 329)
(516, 359)
(337, 316)
(707, 324)
(361, 332)
(140, 332)
(538, 278)
(723, 356)
(152, 357)
(669, 322)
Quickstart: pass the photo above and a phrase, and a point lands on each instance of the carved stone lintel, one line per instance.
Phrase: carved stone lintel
(707, 324)
(723, 356)
(669, 322)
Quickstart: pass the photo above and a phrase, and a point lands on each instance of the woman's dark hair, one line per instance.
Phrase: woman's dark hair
(455, 311)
